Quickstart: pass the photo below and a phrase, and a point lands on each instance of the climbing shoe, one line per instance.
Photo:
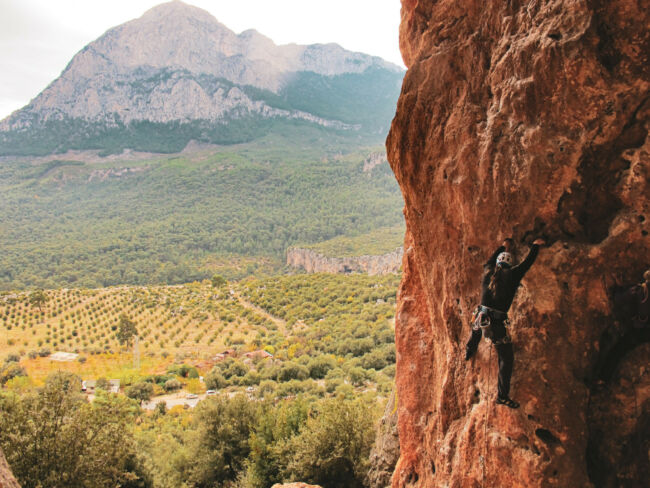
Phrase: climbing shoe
(508, 402)
(469, 353)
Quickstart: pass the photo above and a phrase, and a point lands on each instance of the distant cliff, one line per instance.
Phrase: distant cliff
(315, 262)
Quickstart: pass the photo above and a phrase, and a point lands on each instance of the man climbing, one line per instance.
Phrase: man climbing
(500, 282)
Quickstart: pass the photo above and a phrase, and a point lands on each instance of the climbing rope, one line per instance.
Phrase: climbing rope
(487, 415)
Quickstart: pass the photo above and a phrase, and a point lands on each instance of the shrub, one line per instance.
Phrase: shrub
(12, 358)
(292, 371)
(141, 391)
(172, 385)
(215, 380)
(319, 366)
(102, 384)
(11, 370)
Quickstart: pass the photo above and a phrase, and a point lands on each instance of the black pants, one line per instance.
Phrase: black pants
(504, 352)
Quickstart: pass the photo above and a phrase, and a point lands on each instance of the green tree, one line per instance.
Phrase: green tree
(333, 446)
(102, 384)
(223, 426)
(218, 281)
(10, 370)
(54, 438)
(172, 384)
(38, 298)
(126, 330)
(142, 391)
(215, 380)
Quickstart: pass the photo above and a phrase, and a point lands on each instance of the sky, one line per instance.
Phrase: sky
(39, 37)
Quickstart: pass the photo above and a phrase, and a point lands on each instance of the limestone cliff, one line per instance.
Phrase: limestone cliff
(7, 479)
(523, 119)
(315, 262)
(385, 452)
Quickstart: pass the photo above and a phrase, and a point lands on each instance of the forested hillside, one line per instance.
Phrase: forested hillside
(175, 219)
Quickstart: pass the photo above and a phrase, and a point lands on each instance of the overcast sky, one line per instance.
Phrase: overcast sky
(39, 37)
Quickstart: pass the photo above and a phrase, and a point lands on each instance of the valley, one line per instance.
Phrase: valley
(232, 210)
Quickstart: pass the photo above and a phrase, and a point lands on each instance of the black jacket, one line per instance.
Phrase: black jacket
(505, 294)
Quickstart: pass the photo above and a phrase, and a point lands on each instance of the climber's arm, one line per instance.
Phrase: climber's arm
(522, 268)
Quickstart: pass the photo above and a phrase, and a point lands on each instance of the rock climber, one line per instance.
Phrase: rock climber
(500, 282)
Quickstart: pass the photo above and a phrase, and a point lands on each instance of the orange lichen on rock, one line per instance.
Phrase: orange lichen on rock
(524, 119)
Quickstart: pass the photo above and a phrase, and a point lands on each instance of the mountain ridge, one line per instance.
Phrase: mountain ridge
(178, 64)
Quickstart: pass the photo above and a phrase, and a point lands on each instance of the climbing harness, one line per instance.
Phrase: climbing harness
(482, 320)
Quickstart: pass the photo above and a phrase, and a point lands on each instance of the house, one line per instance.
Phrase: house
(228, 353)
(259, 354)
(89, 386)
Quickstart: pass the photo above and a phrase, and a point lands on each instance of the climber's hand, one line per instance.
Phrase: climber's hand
(507, 243)
(539, 242)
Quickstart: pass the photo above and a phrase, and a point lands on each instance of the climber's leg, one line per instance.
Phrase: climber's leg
(506, 361)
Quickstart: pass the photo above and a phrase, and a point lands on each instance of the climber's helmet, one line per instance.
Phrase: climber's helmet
(504, 260)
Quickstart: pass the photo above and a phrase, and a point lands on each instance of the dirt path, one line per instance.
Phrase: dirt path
(281, 324)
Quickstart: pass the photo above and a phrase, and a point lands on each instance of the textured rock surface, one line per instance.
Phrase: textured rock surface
(178, 63)
(7, 479)
(521, 118)
(315, 262)
(385, 452)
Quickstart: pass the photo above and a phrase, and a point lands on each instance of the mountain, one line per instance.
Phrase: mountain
(176, 74)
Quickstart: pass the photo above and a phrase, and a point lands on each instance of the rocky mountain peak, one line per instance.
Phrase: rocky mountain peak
(178, 64)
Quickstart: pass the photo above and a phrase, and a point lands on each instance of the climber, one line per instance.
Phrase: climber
(500, 282)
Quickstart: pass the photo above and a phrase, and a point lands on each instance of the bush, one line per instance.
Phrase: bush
(12, 358)
(358, 376)
(319, 366)
(215, 380)
(333, 446)
(172, 385)
(10, 371)
(235, 368)
(184, 371)
(141, 391)
(160, 409)
(292, 371)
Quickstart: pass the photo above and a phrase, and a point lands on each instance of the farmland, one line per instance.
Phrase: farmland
(292, 316)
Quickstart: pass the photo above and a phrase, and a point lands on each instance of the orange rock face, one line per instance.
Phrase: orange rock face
(524, 119)
(7, 479)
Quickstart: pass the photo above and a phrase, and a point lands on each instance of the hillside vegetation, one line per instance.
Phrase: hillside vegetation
(181, 218)
(308, 412)
(374, 243)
